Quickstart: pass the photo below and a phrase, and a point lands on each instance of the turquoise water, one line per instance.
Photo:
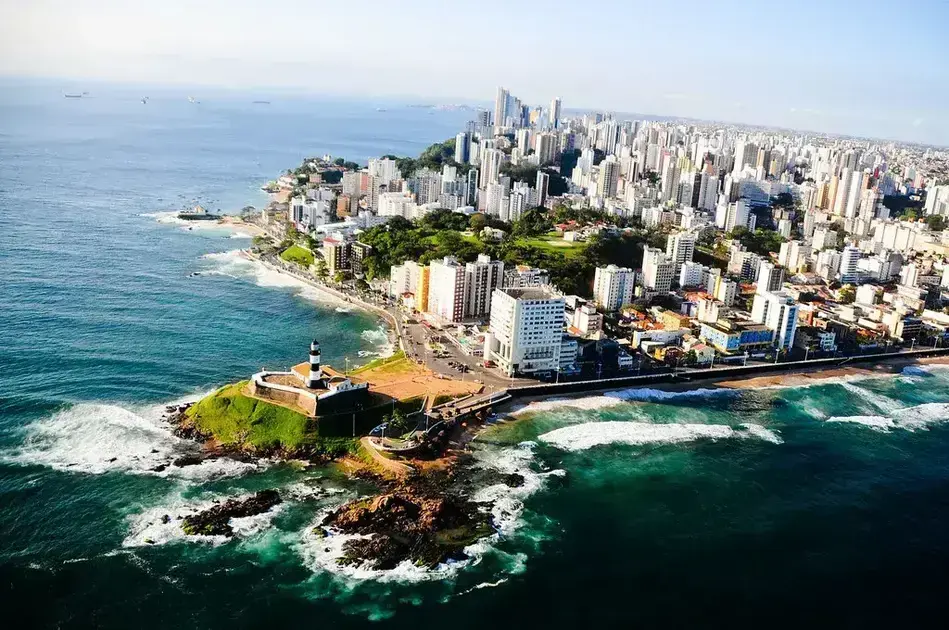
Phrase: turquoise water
(823, 505)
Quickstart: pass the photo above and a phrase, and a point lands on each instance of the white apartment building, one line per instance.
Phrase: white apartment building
(777, 311)
(691, 274)
(404, 278)
(482, 277)
(680, 248)
(658, 270)
(770, 278)
(446, 291)
(849, 265)
(396, 204)
(526, 330)
(613, 287)
(524, 276)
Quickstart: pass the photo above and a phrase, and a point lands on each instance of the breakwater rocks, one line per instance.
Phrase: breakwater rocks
(215, 521)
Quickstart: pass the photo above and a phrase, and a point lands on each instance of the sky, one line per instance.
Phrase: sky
(868, 68)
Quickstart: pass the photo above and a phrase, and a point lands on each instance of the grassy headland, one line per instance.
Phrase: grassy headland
(236, 420)
(299, 255)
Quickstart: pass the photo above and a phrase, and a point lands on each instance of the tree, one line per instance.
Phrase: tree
(936, 222)
(847, 294)
(362, 285)
(339, 277)
(322, 271)
(533, 222)
(477, 223)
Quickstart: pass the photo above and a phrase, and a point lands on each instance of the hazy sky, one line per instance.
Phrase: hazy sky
(861, 67)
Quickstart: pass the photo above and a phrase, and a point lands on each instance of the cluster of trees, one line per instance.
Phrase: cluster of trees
(434, 157)
(760, 241)
(556, 184)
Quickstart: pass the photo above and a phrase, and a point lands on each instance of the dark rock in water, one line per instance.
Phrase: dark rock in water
(159, 468)
(426, 529)
(113, 459)
(188, 460)
(514, 480)
(215, 521)
(154, 450)
(165, 519)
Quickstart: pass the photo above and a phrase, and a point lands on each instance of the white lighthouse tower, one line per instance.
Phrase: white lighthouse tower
(315, 380)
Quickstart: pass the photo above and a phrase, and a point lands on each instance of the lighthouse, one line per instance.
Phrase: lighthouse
(315, 380)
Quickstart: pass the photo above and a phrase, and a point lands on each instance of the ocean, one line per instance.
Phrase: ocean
(821, 505)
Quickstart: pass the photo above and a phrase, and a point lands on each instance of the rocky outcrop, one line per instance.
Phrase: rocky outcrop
(215, 521)
(405, 525)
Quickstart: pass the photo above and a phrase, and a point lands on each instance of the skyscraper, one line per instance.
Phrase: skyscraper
(500, 107)
(555, 113)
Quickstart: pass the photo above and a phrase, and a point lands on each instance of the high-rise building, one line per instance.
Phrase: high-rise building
(680, 248)
(463, 147)
(658, 270)
(770, 278)
(849, 265)
(446, 291)
(777, 311)
(523, 276)
(481, 279)
(613, 287)
(555, 113)
(526, 330)
(691, 274)
(500, 107)
(609, 177)
(543, 182)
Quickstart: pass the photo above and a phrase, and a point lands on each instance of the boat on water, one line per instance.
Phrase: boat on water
(197, 214)
(261, 103)
(73, 95)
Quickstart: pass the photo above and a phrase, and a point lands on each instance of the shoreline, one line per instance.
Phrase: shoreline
(803, 377)
(391, 323)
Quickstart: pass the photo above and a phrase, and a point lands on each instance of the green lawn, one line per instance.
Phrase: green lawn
(392, 363)
(553, 243)
(236, 419)
(299, 255)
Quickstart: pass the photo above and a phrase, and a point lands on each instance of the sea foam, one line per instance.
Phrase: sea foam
(920, 417)
(584, 436)
(620, 396)
(98, 438)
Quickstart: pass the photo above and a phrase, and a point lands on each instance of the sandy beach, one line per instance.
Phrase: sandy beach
(244, 226)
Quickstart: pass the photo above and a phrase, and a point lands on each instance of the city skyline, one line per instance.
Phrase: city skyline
(798, 75)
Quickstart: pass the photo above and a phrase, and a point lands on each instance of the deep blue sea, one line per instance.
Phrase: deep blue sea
(810, 506)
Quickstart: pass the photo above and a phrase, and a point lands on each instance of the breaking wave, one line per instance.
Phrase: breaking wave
(917, 418)
(98, 438)
(161, 524)
(618, 397)
(584, 436)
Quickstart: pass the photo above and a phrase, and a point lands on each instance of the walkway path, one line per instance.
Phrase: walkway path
(397, 468)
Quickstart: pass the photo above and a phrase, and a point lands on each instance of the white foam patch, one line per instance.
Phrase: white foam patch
(149, 527)
(882, 403)
(584, 436)
(918, 418)
(618, 397)
(98, 438)
(379, 337)
(236, 264)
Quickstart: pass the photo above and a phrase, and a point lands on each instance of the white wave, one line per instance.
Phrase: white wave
(343, 309)
(584, 436)
(613, 398)
(917, 418)
(881, 402)
(98, 438)
(240, 234)
(161, 524)
(236, 264)
(878, 423)
(379, 337)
